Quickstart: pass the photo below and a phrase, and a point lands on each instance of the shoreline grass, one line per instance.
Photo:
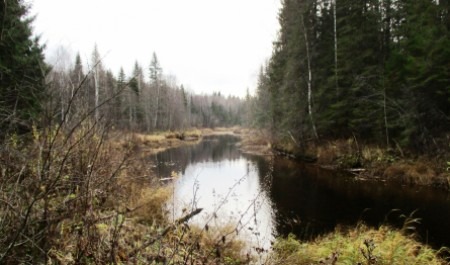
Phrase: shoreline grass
(361, 245)
(367, 161)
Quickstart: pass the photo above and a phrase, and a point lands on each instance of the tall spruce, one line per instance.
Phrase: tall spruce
(22, 69)
(374, 69)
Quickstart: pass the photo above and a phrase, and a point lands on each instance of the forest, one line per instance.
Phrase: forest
(125, 103)
(76, 182)
(376, 70)
(36, 93)
(134, 104)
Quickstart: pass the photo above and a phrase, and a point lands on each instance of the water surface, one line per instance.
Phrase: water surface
(263, 198)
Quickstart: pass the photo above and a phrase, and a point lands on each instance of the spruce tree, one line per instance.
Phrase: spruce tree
(22, 69)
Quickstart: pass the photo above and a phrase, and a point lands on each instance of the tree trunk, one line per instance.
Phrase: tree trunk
(336, 79)
(308, 57)
(385, 115)
(157, 106)
(96, 94)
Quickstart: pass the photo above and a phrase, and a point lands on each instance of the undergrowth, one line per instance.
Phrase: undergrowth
(79, 197)
(72, 191)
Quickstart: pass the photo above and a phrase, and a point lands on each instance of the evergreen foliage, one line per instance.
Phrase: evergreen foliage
(387, 82)
(22, 69)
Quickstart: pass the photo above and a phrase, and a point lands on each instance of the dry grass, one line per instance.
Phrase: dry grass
(207, 247)
(382, 163)
(147, 203)
(219, 131)
(410, 173)
(157, 142)
(361, 245)
(254, 142)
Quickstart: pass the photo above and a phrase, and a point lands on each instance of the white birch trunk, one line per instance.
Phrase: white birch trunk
(310, 112)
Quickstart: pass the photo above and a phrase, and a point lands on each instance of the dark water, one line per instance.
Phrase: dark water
(263, 198)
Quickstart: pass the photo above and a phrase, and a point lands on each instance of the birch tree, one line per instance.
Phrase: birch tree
(97, 70)
(308, 58)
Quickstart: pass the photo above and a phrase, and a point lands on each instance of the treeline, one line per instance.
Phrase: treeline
(132, 103)
(32, 92)
(377, 70)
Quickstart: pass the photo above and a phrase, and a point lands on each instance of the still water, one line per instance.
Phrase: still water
(261, 198)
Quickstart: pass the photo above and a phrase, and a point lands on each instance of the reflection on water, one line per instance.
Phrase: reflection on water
(215, 176)
(263, 199)
(321, 199)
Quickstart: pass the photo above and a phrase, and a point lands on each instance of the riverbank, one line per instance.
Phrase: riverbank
(100, 202)
(364, 161)
(368, 161)
(156, 142)
(393, 246)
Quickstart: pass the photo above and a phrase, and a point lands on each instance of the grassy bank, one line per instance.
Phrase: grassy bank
(361, 245)
(397, 165)
(365, 161)
(157, 142)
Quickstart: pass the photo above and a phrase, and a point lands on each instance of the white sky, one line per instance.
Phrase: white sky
(209, 45)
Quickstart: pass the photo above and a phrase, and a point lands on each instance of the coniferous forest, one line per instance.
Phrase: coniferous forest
(376, 70)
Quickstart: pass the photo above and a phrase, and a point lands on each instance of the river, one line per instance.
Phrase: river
(261, 198)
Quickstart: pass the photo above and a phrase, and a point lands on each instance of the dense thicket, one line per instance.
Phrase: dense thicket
(22, 69)
(375, 69)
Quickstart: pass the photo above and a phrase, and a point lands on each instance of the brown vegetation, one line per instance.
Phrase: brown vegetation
(417, 172)
(154, 143)
(375, 162)
(87, 196)
(254, 142)
(90, 197)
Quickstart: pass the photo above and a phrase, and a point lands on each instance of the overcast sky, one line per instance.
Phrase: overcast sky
(209, 45)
